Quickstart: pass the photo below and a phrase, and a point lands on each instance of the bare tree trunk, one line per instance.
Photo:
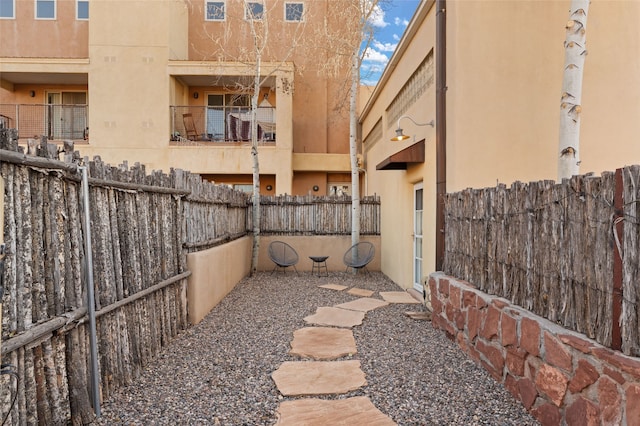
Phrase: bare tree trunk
(570, 104)
(256, 167)
(353, 148)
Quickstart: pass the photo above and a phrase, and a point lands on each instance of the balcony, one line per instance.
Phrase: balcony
(188, 124)
(55, 121)
(221, 124)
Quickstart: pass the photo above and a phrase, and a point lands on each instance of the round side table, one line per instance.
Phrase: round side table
(319, 262)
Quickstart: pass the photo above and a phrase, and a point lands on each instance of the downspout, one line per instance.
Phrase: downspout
(91, 304)
(441, 127)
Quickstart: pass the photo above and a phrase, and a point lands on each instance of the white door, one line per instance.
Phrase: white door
(54, 115)
(215, 116)
(417, 236)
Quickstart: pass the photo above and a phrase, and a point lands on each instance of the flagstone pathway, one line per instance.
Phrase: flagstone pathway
(328, 338)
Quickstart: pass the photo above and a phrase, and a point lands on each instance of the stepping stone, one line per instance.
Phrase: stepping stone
(299, 378)
(335, 317)
(360, 292)
(416, 294)
(363, 304)
(358, 410)
(397, 297)
(323, 343)
(334, 286)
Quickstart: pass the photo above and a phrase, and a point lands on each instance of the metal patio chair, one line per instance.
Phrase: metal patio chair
(283, 255)
(359, 256)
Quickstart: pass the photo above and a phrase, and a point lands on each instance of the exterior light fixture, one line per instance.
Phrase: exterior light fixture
(400, 136)
(269, 187)
(316, 188)
(195, 95)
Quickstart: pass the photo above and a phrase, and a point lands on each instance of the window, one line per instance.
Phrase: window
(7, 9)
(45, 9)
(294, 12)
(339, 189)
(254, 10)
(244, 187)
(82, 9)
(214, 10)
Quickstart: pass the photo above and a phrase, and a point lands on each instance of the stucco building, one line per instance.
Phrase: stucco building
(494, 94)
(168, 84)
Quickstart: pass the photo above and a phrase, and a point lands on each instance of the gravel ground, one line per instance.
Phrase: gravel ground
(219, 371)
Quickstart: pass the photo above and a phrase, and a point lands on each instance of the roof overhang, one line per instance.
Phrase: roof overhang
(400, 160)
(44, 71)
(228, 74)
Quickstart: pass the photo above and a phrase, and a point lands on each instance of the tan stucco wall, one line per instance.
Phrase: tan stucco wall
(396, 187)
(504, 75)
(504, 87)
(25, 36)
(128, 81)
(214, 273)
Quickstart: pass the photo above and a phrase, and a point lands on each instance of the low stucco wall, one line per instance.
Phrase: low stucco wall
(305, 246)
(561, 377)
(214, 273)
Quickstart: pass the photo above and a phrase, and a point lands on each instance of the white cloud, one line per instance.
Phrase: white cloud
(396, 37)
(401, 21)
(384, 47)
(372, 55)
(377, 18)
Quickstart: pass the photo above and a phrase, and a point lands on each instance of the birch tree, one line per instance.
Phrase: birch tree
(570, 103)
(246, 39)
(356, 15)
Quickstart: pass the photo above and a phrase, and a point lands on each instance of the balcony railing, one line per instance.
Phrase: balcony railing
(55, 121)
(188, 124)
(221, 124)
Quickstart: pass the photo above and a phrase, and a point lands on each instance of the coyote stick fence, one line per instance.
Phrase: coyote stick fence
(142, 227)
(562, 251)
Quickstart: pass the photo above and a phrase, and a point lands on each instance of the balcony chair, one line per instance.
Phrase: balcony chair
(283, 255)
(359, 256)
(190, 127)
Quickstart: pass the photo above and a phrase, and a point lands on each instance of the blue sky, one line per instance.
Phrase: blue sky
(390, 23)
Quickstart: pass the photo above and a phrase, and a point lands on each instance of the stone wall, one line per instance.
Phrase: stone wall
(560, 376)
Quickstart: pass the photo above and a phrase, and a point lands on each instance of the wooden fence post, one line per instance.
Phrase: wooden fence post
(616, 300)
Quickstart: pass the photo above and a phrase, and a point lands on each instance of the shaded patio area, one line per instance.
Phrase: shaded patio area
(220, 371)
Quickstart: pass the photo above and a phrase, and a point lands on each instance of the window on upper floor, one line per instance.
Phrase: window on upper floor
(45, 9)
(294, 11)
(254, 10)
(338, 189)
(82, 9)
(7, 9)
(214, 10)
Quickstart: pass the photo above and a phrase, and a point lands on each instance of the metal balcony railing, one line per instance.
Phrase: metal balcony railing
(221, 124)
(211, 124)
(55, 121)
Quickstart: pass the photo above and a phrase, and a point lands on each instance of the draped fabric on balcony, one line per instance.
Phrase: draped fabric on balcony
(239, 127)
